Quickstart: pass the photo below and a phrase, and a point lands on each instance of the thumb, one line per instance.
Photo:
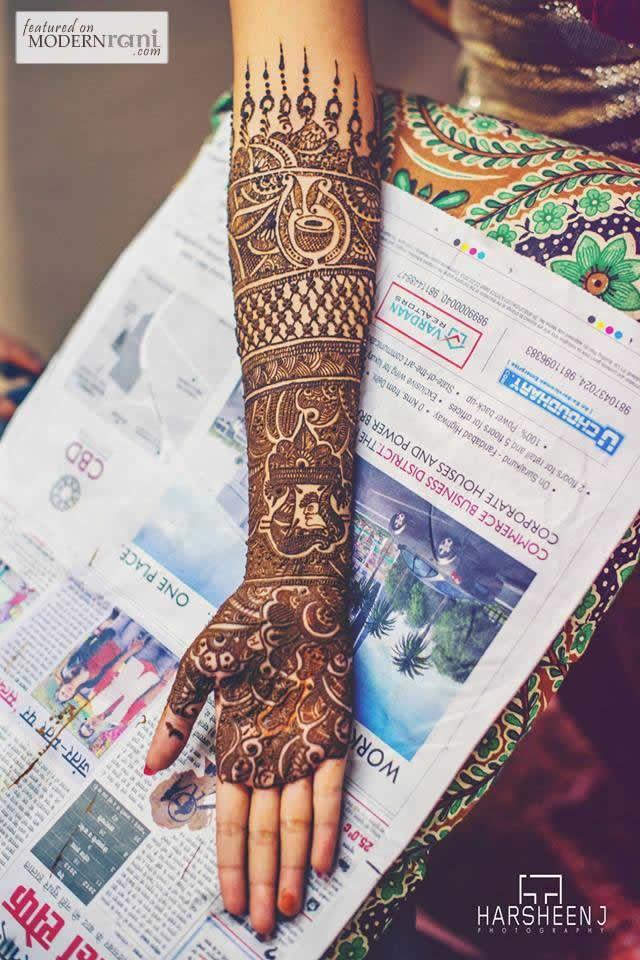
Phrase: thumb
(220, 650)
(173, 729)
(169, 740)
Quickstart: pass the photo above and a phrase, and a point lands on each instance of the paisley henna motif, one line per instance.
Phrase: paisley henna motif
(303, 232)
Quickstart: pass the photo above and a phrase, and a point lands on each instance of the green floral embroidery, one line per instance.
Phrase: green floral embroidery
(445, 200)
(489, 743)
(582, 638)
(354, 950)
(588, 601)
(625, 572)
(402, 180)
(391, 887)
(504, 234)
(484, 124)
(444, 132)
(605, 271)
(634, 205)
(595, 201)
(550, 217)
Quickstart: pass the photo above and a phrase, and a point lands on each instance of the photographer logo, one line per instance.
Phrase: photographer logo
(540, 908)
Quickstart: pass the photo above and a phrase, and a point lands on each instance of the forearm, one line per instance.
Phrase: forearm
(303, 226)
(304, 210)
(330, 32)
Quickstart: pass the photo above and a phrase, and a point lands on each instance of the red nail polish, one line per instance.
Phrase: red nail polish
(288, 903)
(148, 771)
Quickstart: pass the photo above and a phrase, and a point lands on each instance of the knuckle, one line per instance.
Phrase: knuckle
(326, 824)
(295, 824)
(266, 885)
(230, 828)
(263, 836)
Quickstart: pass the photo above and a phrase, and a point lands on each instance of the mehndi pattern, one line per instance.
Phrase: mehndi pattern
(303, 216)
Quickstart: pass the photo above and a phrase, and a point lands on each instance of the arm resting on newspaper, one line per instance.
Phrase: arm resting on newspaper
(304, 207)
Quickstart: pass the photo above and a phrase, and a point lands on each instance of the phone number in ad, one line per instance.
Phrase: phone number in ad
(594, 389)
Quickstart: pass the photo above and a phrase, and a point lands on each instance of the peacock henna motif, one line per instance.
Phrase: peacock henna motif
(303, 216)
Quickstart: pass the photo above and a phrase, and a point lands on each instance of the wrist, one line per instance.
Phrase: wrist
(265, 567)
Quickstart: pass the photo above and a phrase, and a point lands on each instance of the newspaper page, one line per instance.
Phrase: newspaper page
(497, 468)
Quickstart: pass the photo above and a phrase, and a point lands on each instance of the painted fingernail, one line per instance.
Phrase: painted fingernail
(149, 771)
(288, 902)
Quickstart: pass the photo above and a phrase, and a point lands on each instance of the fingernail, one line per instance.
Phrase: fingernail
(288, 902)
(149, 771)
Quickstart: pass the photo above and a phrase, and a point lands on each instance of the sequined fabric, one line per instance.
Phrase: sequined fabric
(540, 63)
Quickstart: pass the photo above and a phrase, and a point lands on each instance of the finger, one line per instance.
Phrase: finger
(14, 351)
(264, 829)
(232, 815)
(296, 810)
(327, 805)
(169, 740)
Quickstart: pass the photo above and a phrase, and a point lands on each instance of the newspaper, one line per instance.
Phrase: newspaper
(497, 468)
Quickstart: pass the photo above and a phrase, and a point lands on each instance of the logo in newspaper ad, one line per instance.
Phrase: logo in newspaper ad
(65, 493)
(106, 36)
(540, 908)
(428, 325)
(605, 438)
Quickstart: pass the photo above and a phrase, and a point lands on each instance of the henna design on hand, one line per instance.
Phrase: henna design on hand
(304, 212)
(173, 731)
(280, 660)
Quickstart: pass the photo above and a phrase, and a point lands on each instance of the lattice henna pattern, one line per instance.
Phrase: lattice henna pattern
(304, 211)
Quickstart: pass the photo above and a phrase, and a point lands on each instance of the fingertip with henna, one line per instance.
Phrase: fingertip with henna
(169, 739)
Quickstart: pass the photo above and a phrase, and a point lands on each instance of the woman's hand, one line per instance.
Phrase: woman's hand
(303, 221)
(280, 662)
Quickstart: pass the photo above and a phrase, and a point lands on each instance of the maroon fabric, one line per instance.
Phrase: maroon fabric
(619, 18)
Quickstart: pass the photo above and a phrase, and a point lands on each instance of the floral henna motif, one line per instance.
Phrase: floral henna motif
(290, 709)
(279, 658)
(304, 211)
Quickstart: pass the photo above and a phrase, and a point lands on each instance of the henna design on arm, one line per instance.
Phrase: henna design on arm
(303, 215)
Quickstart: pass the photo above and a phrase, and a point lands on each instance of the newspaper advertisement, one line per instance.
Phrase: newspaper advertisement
(497, 467)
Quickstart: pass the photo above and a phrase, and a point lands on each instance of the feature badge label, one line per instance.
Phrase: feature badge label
(92, 36)
(428, 325)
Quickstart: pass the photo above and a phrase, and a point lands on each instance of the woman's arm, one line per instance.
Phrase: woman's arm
(303, 232)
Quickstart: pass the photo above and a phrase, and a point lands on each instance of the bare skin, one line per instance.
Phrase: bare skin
(303, 231)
